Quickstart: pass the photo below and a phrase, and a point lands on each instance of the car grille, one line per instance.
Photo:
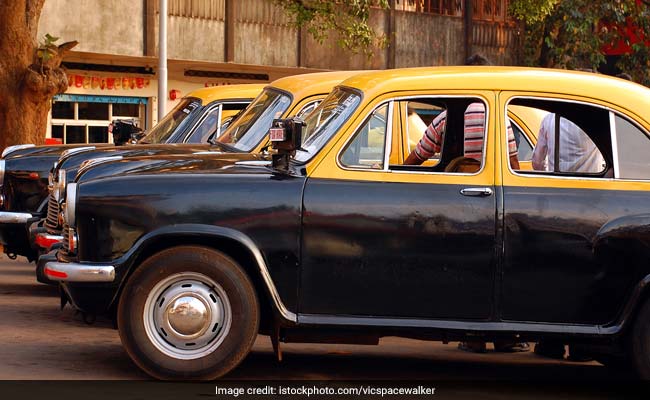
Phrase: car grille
(66, 238)
(52, 220)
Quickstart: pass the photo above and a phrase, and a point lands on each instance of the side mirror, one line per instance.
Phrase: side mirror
(123, 131)
(286, 137)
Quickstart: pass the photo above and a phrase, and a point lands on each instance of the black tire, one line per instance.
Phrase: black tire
(146, 345)
(640, 342)
(616, 363)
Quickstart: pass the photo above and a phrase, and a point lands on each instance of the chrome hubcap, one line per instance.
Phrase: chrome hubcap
(187, 315)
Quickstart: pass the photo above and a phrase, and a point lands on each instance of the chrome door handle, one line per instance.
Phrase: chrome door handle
(477, 192)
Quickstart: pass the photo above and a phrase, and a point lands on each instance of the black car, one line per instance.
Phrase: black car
(342, 238)
(25, 169)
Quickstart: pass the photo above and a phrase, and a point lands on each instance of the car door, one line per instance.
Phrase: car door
(389, 240)
(570, 251)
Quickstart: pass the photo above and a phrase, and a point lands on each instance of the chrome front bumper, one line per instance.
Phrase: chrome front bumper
(7, 217)
(73, 272)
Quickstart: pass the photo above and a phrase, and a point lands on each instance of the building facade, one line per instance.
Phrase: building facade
(112, 72)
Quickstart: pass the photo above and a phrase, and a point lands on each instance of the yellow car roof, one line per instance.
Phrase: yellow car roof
(624, 93)
(305, 85)
(226, 92)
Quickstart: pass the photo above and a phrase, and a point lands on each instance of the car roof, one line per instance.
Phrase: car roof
(624, 93)
(305, 85)
(226, 92)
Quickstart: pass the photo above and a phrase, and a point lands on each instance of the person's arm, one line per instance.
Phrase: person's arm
(430, 143)
(512, 147)
(541, 148)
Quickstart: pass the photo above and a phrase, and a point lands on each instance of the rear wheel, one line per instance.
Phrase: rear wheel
(188, 313)
(641, 342)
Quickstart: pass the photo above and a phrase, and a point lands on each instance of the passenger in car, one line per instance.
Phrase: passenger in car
(578, 153)
(473, 131)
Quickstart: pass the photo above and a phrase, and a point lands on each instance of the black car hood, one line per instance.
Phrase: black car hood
(190, 163)
(73, 162)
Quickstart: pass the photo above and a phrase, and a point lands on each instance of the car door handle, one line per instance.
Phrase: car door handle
(477, 192)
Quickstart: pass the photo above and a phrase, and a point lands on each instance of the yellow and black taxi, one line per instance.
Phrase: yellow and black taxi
(343, 238)
(285, 97)
(25, 169)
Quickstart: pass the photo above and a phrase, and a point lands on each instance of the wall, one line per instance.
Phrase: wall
(330, 56)
(427, 40)
(117, 29)
(263, 35)
(195, 29)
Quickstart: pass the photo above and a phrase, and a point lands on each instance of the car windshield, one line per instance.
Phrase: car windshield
(248, 130)
(164, 129)
(325, 121)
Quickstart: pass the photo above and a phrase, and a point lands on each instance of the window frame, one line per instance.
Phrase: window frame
(543, 174)
(417, 169)
(612, 132)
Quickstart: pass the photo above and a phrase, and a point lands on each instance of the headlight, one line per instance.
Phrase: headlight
(2, 172)
(70, 204)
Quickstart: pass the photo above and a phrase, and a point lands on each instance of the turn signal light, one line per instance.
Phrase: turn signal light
(46, 241)
(55, 274)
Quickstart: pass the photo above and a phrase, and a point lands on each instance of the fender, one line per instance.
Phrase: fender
(630, 235)
(205, 231)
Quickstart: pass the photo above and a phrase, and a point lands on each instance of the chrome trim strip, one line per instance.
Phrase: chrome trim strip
(2, 172)
(75, 150)
(612, 130)
(337, 320)
(207, 153)
(11, 149)
(264, 270)
(95, 161)
(255, 163)
(7, 217)
(388, 145)
(79, 272)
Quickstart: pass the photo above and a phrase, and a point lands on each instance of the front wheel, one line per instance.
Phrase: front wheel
(188, 313)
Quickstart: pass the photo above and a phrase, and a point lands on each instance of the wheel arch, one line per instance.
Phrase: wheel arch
(232, 243)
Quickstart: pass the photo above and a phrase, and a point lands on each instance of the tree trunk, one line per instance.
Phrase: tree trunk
(27, 85)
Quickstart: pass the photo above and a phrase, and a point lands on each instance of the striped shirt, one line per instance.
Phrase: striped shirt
(474, 131)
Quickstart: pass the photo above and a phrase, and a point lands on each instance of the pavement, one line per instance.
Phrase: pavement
(40, 341)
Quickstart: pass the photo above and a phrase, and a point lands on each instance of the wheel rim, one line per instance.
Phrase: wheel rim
(187, 315)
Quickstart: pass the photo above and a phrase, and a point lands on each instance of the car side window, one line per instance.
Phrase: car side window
(208, 126)
(633, 147)
(448, 137)
(571, 137)
(524, 148)
(216, 120)
(309, 107)
(366, 149)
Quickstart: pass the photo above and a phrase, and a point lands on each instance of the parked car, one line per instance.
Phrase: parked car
(290, 96)
(24, 169)
(338, 241)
